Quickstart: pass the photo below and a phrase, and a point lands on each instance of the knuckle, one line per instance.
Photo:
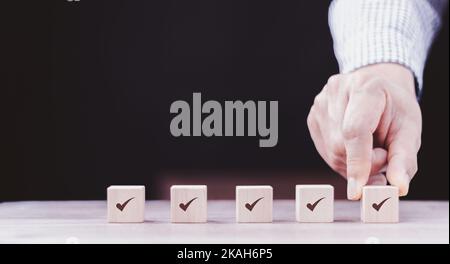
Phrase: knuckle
(375, 86)
(352, 130)
(333, 90)
(359, 79)
(333, 80)
(318, 100)
(414, 170)
(365, 82)
(355, 162)
(417, 144)
(348, 132)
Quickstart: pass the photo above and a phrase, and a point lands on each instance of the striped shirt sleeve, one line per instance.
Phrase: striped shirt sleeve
(376, 31)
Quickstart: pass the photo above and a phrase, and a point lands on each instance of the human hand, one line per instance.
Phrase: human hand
(367, 122)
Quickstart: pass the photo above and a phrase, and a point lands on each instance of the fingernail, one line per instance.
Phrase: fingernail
(405, 188)
(377, 182)
(352, 189)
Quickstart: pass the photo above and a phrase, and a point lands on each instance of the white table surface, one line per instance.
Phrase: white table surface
(85, 222)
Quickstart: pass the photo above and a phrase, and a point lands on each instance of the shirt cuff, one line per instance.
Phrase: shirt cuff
(383, 31)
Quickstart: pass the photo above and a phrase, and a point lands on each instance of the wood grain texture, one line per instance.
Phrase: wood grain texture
(188, 203)
(380, 204)
(314, 203)
(254, 204)
(84, 222)
(126, 204)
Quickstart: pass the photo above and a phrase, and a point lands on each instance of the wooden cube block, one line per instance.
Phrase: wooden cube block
(126, 204)
(314, 203)
(379, 204)
(188, 203)
(254, 204)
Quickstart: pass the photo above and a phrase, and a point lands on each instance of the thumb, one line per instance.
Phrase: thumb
(402, 156)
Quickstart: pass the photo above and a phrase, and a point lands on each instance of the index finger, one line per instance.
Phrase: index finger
(362, 116)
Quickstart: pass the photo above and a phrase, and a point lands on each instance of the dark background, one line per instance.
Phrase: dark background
(88, 87)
